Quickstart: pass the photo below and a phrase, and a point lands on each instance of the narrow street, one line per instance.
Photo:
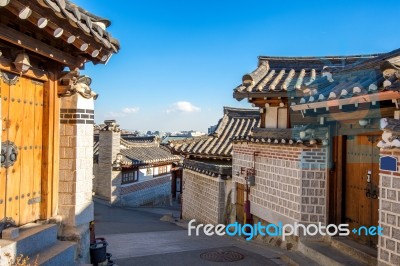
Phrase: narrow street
(138, 237)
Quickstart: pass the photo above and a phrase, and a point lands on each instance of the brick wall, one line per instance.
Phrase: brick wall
(389, 213)
(203, 197)
(290, 183)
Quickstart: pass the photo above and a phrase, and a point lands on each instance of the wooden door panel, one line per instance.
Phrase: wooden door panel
(15, 130)
(353, 186)
(240, 203)
(5, 91)
(362, 157)
(22, 121)
(38, 146)
(27, 160)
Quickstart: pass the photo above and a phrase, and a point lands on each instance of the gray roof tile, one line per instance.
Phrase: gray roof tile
(235, 122)
(314, 79)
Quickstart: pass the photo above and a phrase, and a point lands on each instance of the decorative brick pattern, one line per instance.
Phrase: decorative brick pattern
(76, 116)
(389, 212)
(290, 182)
(203, 197)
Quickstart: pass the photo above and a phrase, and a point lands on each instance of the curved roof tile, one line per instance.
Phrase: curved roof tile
(235, 122)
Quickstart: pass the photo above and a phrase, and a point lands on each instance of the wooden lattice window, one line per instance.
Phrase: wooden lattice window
(130, 177)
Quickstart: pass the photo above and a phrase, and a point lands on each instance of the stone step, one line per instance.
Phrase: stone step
(356, 250)
(62, 253)
(325, 254)
(296, 258)
(33, 238)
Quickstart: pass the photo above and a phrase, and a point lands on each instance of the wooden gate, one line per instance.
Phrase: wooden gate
(361, 185)
(240, 189)
(22, 108)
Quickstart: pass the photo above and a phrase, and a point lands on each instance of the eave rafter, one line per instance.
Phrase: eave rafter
(31, 44)
(80, 45)
(369, 98)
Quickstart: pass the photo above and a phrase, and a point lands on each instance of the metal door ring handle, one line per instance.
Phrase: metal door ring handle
(9, 153)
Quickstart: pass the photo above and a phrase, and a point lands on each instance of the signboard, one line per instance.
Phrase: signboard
(388, 163)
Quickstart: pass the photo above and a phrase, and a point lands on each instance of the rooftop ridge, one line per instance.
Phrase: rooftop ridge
(262, 57)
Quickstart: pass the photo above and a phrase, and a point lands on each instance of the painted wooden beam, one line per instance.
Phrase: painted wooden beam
(359, 114)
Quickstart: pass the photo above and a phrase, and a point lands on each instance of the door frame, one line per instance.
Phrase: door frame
(337, 173)
(51, 133)
(240, 204)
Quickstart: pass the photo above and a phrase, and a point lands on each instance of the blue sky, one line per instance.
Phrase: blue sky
(181, 59)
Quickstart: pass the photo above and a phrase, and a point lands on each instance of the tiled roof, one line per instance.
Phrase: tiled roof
(286, 74)
(147, 154)
(288, 136)
(209, 167)
(129, 140)
(84, 20)
(315, 79)
(96, 144)
(80, 31)
(167, 139)
(235, 122)
(139, 150)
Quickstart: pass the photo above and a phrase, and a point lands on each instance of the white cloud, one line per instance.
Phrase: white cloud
(183, 107)
(114, 115)
(130, 110)
(125, 111)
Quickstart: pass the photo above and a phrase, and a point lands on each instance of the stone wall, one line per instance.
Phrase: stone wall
(290, 181)
(389, 212)
(76, 171)
(154, 192)
(203, 197)
(109, 147)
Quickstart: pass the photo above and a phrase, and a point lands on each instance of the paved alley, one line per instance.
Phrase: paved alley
(138, 237)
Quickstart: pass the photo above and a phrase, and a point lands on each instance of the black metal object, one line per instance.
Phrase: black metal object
(9, 153)
(222, 256)
(7, 222)
(372, 191)
(98, 251)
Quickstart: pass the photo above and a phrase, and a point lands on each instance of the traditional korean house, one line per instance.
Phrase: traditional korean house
(132, 171)
(207, 167)
(46, 125)
(326, 150)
